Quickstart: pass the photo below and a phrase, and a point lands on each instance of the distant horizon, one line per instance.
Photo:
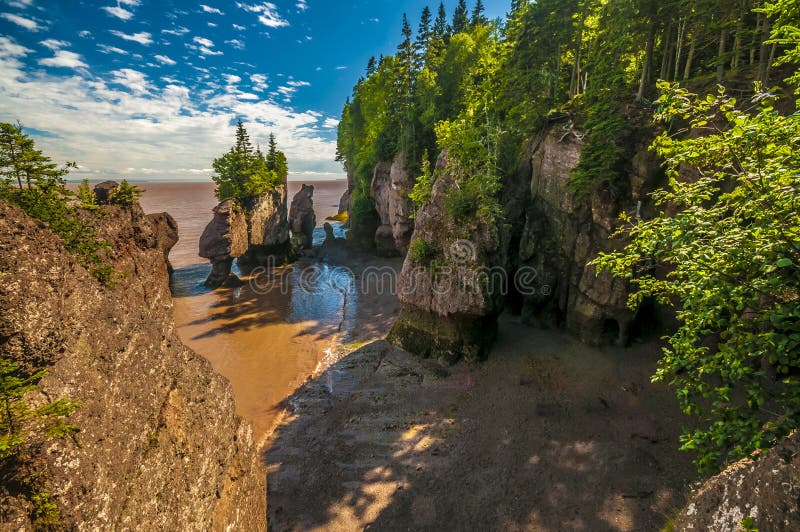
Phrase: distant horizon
(76, 180)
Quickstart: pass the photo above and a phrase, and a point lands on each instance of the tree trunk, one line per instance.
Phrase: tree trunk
(687, 70)
(737, 41)
(754, 41)
(721, 55)
(665, 48)
(648, 59)
(575, 78)
(763, 59)
(769, 63)
(679, 47)
(558, 71)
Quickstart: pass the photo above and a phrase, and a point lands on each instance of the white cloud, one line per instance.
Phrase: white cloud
(212, 25)
(84, 33)
(238, 27)
(145, 122)
(267, 14)
(26, 23)
(54, 44)
(164, 60)
(180, 30)
(293, 83)
(288, 90)
(236, 43)
(132, 79)
(64, 59)
(207, 9)
(330, 123)
(132, 3)
(302, 5)
(142, 37)
(21, 4)
(104, 48)
(204, 42)
(259, 82)
(119, 12)
(231, 79)
(341, 68)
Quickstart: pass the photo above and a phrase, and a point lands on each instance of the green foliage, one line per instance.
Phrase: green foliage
(423, 251)
(20, 423)
(730, 240)
(45, 511)
(125, 194)
(244, 172)
(32, 181)
(85, 196)
(786, 33)
(748, 525)
(424, 183)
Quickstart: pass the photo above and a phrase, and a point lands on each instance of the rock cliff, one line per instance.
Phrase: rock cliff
(390, 186)
(267, 227)
(159, 445)
(535, 259)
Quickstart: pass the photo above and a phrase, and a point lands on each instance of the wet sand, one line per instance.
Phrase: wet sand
(265, 342)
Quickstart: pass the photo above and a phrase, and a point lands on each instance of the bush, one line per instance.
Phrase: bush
(125, 194)
(423, 251)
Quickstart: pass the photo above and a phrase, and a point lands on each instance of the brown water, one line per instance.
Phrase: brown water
(266, 342)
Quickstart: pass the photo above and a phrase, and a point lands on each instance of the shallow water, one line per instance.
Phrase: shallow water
(266, 339)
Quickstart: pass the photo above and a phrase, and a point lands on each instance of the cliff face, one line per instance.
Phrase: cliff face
(541, 248)
(267, 227)
(390, 186)
(159, 445)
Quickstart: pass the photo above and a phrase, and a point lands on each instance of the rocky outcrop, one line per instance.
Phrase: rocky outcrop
(344, 201)
(166, 232)
(563, 232)
(267, 227)
(390, 186)
(103, 192)
(159, 445)
(302, 219)
(450, 300)
(224, 239)
(765, 489)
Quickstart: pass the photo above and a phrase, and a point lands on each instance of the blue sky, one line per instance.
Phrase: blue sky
(148, 89)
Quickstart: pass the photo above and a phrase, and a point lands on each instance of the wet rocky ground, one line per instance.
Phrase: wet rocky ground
(548, 434)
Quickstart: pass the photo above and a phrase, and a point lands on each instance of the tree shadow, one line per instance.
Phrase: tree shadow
(546, 435)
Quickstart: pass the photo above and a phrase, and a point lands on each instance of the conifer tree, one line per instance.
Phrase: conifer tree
(440, 30)
(460, 17)
(478, 17)
(424, 36)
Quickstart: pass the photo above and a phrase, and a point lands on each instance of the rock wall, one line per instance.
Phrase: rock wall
(159, 444)
(766, 489)
(563, 232)
(302, 219)
(390, 186)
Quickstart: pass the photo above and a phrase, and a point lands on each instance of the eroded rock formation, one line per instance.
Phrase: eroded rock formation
(390, 186)
(224, 239)
(267, 227)
(159, 445)
(765, 489)
(448, 313)
(166, 231)
(302, 219)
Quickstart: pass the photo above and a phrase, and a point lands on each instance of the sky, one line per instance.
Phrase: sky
(152, 89)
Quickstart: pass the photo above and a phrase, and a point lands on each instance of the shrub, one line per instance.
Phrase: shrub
(125, 194)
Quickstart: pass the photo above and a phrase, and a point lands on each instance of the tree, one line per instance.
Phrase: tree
(424, 37)
(729, 242)
(21, 161)
(85, 196)
(478, 17)
(125, 194)
(243, 172)
(440, 30)
(460, 17)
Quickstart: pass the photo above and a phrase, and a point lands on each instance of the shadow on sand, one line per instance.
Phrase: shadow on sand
(548, 434)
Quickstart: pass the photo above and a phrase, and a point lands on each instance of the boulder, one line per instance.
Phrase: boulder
(302, 219)
(103, 192)
(764, 488)
(224, 239)
(166, 233)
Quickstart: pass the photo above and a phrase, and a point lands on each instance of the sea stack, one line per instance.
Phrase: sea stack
(302, 219)
(224, 239)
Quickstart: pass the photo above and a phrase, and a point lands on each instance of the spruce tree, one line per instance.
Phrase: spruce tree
(424, 35)
(440, 24)
(478, 17)
(460, 17)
